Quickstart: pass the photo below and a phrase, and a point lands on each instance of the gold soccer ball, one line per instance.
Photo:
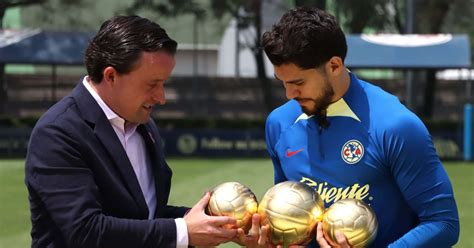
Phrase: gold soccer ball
(292, 210)
(235, 200)
(354, 218)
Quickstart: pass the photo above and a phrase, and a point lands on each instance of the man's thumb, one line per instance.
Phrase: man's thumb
(201, 204)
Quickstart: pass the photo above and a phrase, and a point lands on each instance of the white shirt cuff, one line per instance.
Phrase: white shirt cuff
(181, 233)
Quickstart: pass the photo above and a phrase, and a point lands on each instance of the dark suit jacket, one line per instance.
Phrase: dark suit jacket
(83, 191)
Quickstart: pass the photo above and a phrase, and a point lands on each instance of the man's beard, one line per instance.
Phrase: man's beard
(320, 103)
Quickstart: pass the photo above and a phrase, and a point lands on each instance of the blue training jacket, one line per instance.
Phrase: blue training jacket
(375, 150)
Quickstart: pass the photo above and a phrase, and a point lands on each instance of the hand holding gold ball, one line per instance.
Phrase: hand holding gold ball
(354, 218)
(292, 210)
(288, 214)
(235, 200)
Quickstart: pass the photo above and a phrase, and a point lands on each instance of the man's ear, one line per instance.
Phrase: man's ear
(335, 66)
(109, 75)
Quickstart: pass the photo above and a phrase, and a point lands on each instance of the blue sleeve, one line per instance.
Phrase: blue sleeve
(423, 182)
(272, 134)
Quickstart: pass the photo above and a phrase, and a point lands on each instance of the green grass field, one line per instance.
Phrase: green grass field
(192, 177)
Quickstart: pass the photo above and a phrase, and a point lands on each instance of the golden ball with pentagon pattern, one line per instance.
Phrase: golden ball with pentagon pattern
(354, 218)
(235, 200)
(292, 210)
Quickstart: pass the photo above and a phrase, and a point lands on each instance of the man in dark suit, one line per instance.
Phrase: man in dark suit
(95, 169)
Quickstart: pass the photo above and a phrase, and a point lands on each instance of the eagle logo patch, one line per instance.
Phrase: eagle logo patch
(352, 151)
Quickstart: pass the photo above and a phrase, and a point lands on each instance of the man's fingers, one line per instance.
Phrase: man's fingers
(264, 234)
(255, 225)
(341, 239)
(223, 234)
(201, 204)
(319, 231)
(241, 232)
(242, 238)
(228, 233)
(320, 236)
(222, 220)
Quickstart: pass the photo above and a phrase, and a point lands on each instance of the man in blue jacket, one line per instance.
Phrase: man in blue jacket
(349, 139)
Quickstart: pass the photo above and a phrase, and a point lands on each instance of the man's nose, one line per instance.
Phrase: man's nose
(291, 92)
(159, 96)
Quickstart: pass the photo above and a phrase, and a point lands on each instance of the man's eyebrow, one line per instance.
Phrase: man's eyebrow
(294, 81)
(157, 80)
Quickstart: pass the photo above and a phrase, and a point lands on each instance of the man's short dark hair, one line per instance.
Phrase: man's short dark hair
(120, 43)
(305, 36)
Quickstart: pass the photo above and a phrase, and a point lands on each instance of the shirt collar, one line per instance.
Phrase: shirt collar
(338, 108)
(113, 117)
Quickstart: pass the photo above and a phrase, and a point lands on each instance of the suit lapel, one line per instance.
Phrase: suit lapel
(108, 137)
(154, 152)
(92, 113)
